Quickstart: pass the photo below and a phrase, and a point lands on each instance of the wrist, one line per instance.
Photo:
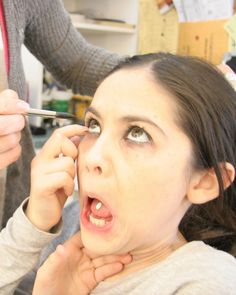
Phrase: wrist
(37, 221)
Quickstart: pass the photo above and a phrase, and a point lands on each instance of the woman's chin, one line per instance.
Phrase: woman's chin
(99, 247)
(94, 246)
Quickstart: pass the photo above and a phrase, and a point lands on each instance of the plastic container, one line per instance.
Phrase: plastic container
(79, 105)
(60, 100)
(46, 101)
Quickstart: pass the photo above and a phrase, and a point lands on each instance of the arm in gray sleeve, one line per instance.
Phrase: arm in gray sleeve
(52, 38)
(70, 227)
(20, 246)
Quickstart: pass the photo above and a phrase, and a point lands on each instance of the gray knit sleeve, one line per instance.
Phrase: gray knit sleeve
(20, 246)
(51, 37)
(70, 227)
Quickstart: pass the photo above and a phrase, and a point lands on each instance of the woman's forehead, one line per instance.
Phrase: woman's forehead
(134, 91)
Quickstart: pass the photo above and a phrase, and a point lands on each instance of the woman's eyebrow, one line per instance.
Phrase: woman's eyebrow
(128, 119)
(93, 111)
(131, 118)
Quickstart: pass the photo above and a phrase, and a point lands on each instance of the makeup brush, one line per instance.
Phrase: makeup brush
(49, 114)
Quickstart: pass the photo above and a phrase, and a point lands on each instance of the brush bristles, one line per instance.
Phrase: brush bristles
(62, 115)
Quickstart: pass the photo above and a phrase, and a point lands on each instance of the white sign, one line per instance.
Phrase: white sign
(203, 10)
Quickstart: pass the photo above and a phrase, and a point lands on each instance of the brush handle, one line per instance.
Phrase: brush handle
(41, 113)
(49, 114)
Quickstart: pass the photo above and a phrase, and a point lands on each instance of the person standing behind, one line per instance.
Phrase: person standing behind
(46, 30)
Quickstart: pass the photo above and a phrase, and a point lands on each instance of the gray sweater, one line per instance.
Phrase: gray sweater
(193, 269)
(20, 246)
(45, 28)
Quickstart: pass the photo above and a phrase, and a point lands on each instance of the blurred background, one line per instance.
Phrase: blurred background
(205, 28)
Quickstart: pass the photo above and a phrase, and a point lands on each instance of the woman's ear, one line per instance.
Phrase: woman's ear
(204, 185)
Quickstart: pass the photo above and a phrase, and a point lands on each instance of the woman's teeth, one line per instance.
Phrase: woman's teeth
(99, 214)
(98, 222)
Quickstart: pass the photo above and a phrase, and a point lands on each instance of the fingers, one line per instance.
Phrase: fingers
(224, 68)
(10, 136)
(48, 275)
(107, 271)
(107, 266)
(75, 240)
(10, 156)
(110, 265)
(60, 143)
(11, 124)
(11, 104)
(62, 180)
(55, 261)
(52, 175)
(76, 140)
(100, 261)
(9, 142)
(47, 197)
(65, 164)
(54, 182)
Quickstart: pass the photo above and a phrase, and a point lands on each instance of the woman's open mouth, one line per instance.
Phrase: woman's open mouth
(96, 215)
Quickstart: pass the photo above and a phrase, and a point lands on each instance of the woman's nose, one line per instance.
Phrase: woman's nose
(97, 159)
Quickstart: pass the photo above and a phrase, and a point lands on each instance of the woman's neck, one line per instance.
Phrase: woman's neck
(143, 258)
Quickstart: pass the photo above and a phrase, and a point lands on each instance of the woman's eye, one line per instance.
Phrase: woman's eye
(93, 126)
(138, 134)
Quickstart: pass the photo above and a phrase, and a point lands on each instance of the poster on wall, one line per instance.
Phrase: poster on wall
(202, 39)
(203, 10)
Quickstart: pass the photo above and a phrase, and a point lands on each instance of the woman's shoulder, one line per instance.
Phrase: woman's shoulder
(202, 253)
(204, 266)
(194, 268)
(197, 254)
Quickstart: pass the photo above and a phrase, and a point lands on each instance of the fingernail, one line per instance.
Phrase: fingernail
(22, 106)
(127, 259)
(83, 126)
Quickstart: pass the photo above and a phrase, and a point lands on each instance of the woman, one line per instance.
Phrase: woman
(156, 174)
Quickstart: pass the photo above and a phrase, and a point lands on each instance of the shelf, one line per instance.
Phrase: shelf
(108, 24)
(103, 28)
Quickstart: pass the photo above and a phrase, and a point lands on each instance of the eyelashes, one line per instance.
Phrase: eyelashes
(137, 134)
(93, 125)
(133, 134)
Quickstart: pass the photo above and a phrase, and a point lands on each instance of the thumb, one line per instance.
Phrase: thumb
(51, 272)
(75, 240)
(11, 104)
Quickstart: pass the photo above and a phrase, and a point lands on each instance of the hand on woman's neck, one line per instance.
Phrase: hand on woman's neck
(142, 258)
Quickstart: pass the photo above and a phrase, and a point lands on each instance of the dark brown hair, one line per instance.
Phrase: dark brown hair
(207, 115)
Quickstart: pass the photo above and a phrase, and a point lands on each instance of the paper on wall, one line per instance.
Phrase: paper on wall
(230, 27)
(156, 32)
(203, 10)
(207, 40)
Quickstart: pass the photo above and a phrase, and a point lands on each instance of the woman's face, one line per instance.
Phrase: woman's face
(134, 166)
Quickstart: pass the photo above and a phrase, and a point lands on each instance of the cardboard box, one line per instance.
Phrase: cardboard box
(207, 40)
